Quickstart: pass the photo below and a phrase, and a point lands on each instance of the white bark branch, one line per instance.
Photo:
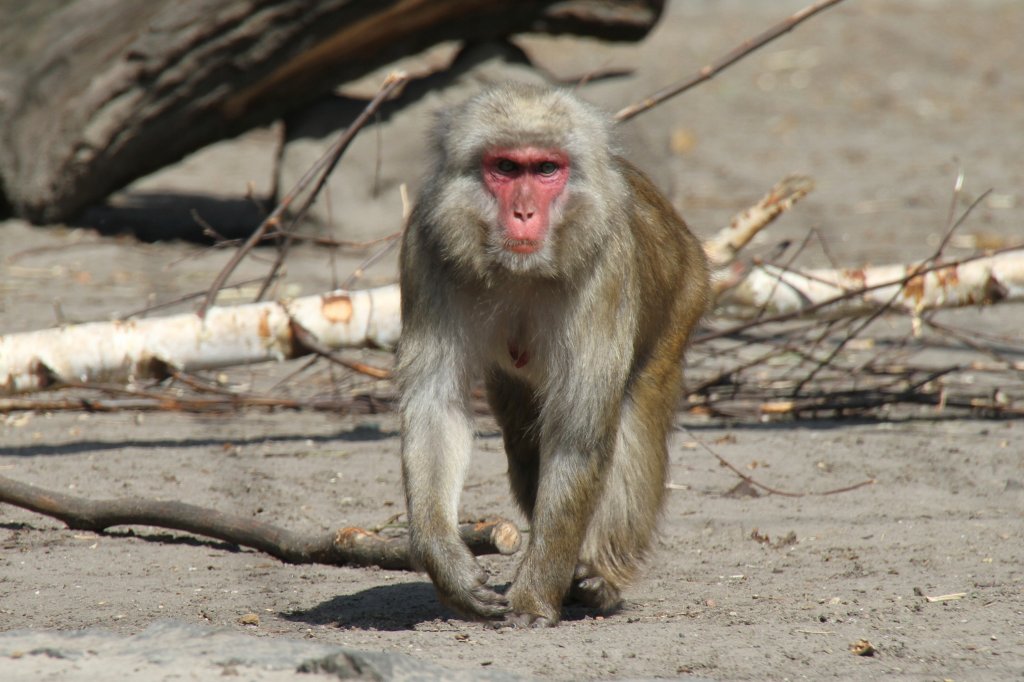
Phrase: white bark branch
(138, 349)
(767, 288)
(723, 247)
(126, 351)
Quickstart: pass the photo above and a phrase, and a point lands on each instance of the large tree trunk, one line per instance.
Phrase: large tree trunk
(95, 93)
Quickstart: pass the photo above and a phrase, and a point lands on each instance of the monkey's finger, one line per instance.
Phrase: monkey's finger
(490, 604)
(525, 620)
(478, 603)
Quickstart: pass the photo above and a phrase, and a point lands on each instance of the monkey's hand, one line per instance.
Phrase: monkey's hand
(461, 582)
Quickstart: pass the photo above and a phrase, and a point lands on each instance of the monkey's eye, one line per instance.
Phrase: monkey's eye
(547, 168)
(507, 166)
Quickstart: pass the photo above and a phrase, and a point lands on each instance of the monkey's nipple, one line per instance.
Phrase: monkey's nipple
(520, 356)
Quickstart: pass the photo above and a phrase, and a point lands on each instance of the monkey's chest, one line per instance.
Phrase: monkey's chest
(519, 338)
(514, 348)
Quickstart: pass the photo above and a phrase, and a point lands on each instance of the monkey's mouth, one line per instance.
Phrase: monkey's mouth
(524, 246)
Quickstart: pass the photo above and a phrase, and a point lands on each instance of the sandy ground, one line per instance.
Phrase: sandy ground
(880, 102)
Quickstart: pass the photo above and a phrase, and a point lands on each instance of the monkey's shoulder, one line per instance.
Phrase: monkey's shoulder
(655, 223)
(648, 198)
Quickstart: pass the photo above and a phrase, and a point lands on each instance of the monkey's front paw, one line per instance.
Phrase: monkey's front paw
(478, 603)
(460, 581)
(475, 599)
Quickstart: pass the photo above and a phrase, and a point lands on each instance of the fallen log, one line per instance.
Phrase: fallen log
(132, 350)
(95, 93)
(850, 292)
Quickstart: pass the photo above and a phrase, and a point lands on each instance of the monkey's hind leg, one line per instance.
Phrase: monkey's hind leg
(515, 408)
(624, 522)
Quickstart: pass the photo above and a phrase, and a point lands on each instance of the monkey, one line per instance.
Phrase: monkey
(540, 260)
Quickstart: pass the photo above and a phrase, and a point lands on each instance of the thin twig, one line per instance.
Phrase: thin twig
(776, 491)
(185, 299)
(307, 339)
(171, 403)
(714, 68)
(391, 83)
(322, 168)
(892, 299)
(852, 293)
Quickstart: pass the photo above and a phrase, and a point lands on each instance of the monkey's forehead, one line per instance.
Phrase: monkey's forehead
(515, 114)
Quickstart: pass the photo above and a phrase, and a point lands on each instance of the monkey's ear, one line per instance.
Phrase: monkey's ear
(438, 135)
(442, 127)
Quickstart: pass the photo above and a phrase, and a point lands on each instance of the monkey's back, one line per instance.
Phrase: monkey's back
(664, 248)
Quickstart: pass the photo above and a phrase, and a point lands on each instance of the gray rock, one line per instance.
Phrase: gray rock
(169, 648)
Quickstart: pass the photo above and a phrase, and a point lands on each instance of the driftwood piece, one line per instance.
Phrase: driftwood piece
(95, 93)
(344, 547)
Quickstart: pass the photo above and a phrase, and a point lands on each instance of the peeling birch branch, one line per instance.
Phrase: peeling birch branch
(137, 349)
(126, 351)
(723, 247)
(775, 291)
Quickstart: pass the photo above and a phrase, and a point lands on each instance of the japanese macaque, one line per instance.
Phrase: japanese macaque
(541, 260)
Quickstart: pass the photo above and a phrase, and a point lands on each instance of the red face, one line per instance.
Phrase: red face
(525, 181)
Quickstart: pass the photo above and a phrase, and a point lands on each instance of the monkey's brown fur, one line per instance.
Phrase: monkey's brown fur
(580, 345)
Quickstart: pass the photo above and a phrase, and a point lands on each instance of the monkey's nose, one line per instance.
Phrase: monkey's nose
(522, 215)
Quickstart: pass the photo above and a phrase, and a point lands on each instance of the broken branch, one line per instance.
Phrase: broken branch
(714, 68)
(318, 171)
(344, 547)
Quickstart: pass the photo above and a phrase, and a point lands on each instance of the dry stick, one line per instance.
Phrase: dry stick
(845, 401)
(713, 69)
(723, 246)
(966, 340)
(825, 249)
(392, 239)
(185, 299)
(169, 403)
(855, 397)
(775, 491)
(888, 305)
(344, 547)
(778, 348)
(370, 261)
(391, 83)
(201, 385)
(291, 375)
(785, 267)
(319, 240)
(324, 165)
(307, 339)
(722, 375)
(852, 293)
